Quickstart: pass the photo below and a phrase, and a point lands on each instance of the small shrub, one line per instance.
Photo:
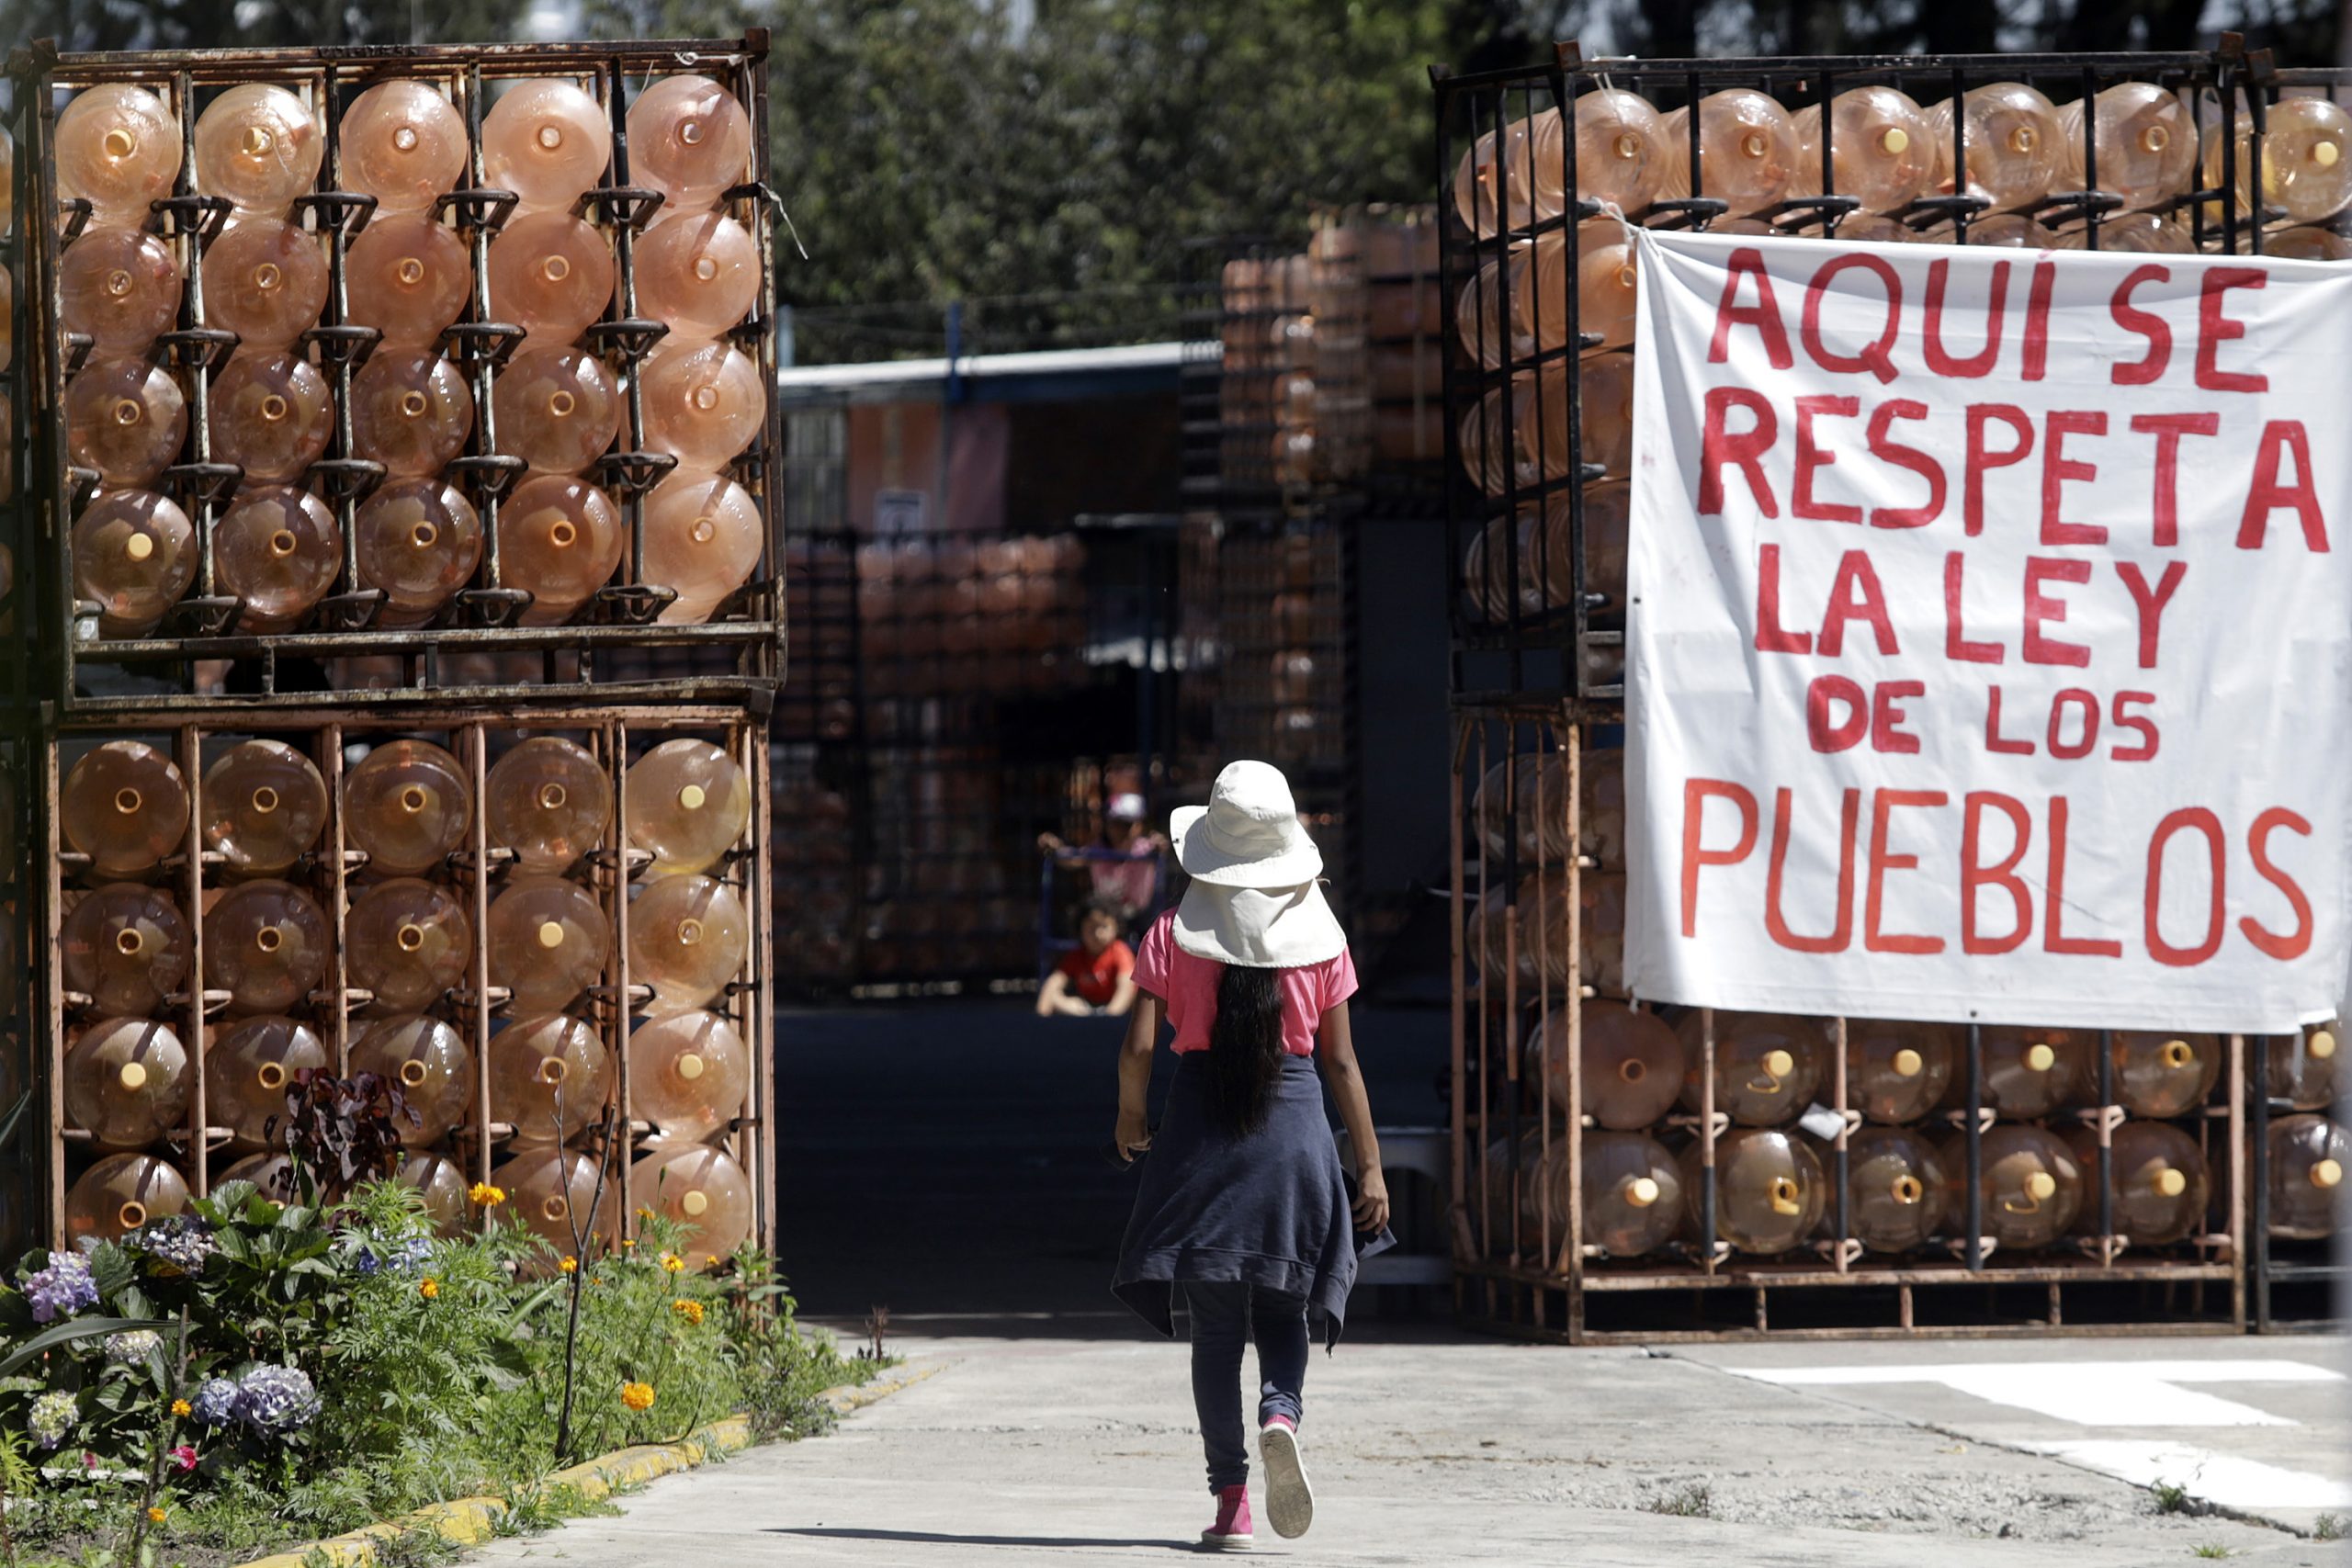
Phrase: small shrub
(2327, 1526)
(1688, 1502)
(2172, 1497)
(2213, 1549)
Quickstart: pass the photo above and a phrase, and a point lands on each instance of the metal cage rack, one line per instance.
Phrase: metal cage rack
(1537, 463)
(343, 644)
(194, 874)
(1536, 428)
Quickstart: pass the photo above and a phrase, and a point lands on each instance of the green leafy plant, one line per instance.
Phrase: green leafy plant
(2172, 1497)
(1690, 1502)
(2327, 1526)
(2213, 1549)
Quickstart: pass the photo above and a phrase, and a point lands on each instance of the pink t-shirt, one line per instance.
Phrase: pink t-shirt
(1187, 983)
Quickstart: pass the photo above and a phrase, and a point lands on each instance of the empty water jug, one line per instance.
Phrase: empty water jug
(546, 140)
(2143, 232)
(2146, 143)
(265, 280)
(265, 806)
(135, 555)
(2156, 1074)
(698, 271)
(1622, 157)
(2159, 1178)
(279, 549)
(2306, 156)
(687, 938)
(409, 410)
(561, 538)
(121, 1193)
(271, 416)
(442, 1185)
(404, 144)
(127, 948)
(265, 943)
(1896, 1188)
(1880, 149)
(407, 804)
(2303, 1069)
(554, 1194)
(117, 147)
(552, 275)
(1767, 1065)
(1769, 1189)
(247, 1070)
(550, 802)
(558, 408)
(2014, 145)
(1496, 187)
(1898, 1071)
(409, 942)
(2030, 1183)
(1633, 1193)
(419, 541)
(704, 536)
(548, 942)
(125, 806)
(271, 1176)
(258, 146)
(704, 1191)
(2307, 1159)
(1524, 798)
(549, 1076)
(409, 277)
(704, 403)
(1747, 149)
(126, 1083)
(121, 285)
(2029, 1072)
(1631, 1064)
(125, 418)
(688, 804)
(690, 139)
(688, 1073)
(431, 1063)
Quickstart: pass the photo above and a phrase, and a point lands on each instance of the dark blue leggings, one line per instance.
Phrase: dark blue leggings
(1223, 1316)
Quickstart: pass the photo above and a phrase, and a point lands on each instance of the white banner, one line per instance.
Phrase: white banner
(1988, 646)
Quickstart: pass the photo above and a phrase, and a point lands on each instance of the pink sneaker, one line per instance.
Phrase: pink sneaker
(1231, 1533)
(1289, 1502)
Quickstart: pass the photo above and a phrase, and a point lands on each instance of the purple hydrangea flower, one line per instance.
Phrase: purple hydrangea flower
(52, 1419)
(275, 1400)
(63, 1289)
(184, 1241)
(216, 1401)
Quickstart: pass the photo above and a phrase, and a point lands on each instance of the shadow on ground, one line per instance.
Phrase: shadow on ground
(942, 1160)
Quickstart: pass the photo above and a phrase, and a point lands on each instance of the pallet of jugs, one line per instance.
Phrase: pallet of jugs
(421, 353)
(2181, 153)
(548, 933)
(1647, 1171)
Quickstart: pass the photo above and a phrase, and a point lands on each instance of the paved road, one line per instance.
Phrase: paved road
(1068, 1451)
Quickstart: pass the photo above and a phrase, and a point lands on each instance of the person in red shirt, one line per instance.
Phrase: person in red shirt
(1095, 977)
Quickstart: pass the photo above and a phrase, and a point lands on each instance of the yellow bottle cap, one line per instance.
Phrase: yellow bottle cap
(139, 546)
(694, 1203)
(692, 797)
(690, 1066)
(2040, 1185)
(2326, 154)
(550, 933)
(2327, 1173)
(2322, 1045)
(1641, 1193)
(1908, 1064)
(131, 1075)
(1897, 140)
(1780, 1064)
(2041, 1059)
(2171, 1183)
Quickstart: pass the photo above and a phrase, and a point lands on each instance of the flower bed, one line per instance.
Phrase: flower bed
(258, 1372)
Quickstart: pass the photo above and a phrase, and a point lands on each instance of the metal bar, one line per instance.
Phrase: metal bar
(1973, 1241)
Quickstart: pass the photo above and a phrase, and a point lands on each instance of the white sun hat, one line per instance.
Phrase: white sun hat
(1248, 835)
(1253, 901)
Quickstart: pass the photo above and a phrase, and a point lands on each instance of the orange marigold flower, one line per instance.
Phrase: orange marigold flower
(484, 1194)
(690, 1311)
(430, 1287)
(155, 1516)
(568, 1265)
(674, 1263)
(711, 1259)
(182, 1407)
(638, 1395)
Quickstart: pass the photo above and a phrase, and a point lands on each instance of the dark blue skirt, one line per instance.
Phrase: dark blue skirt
(1269, 1210)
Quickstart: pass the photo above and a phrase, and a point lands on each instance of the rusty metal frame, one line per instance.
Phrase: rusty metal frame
(751, 622)
(610, 871)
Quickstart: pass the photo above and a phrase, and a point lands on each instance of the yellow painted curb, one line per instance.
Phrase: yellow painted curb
(470, 1521)
(852, 1396)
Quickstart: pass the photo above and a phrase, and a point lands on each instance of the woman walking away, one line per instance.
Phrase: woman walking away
(1243, 1209)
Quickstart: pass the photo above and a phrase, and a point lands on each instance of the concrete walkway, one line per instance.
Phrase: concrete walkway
(1079, 1450)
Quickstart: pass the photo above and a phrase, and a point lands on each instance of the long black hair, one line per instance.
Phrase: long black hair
(1245, 1049)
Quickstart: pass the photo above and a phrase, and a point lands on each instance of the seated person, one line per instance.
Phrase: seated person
(1098, 975)
(1126, 872)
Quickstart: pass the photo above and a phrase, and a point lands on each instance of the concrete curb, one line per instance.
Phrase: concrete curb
(470, 1521)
